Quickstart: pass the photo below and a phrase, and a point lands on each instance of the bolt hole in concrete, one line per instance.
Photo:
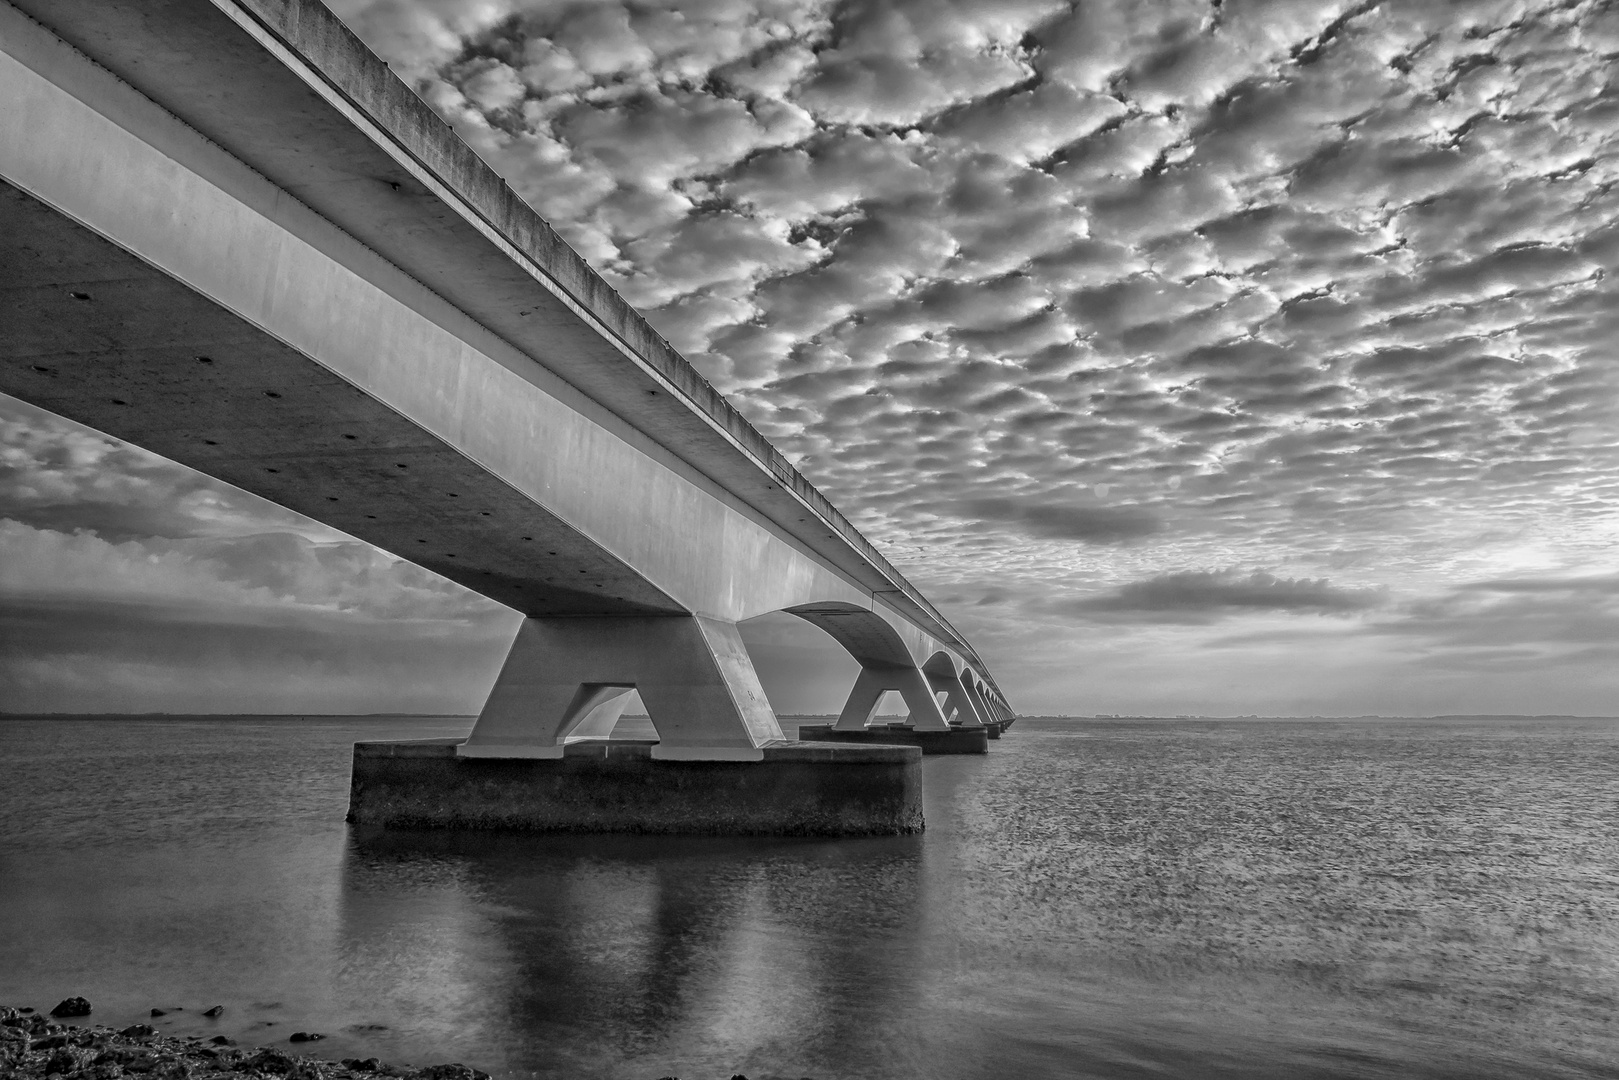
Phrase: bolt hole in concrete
(203, 359)
(79, 295)
(1303, 922)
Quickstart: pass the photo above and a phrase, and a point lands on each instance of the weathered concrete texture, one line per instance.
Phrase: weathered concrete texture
(993, 729)
(797, 790)
(960, 740)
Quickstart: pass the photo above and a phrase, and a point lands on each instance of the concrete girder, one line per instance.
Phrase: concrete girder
(571, 677)
(472, 419)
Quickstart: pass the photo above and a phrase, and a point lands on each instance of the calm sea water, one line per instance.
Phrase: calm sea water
(1093, 899)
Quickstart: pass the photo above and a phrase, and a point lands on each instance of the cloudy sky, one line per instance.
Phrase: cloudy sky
(1230, 357)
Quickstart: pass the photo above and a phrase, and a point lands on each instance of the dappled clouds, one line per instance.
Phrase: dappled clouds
(1105, 300)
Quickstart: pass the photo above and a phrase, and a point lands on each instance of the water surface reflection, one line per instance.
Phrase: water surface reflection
(619, 955)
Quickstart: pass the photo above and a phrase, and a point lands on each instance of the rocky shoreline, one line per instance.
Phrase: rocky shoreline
(33, 1045)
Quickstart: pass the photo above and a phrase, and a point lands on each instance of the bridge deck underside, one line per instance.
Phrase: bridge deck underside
(276, 267)
(261, 416)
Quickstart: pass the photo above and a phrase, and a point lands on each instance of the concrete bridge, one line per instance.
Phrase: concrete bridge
(230, 235)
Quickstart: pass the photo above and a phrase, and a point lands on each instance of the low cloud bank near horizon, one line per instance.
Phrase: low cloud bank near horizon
(130, 583)
(1202, 596)
(1194, 358)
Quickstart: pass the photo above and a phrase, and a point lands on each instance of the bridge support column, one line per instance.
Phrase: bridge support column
(970, 688)
(720, 766)
(874, 681)
(925, 727)
(798, 789)
(572, 677)
(955, 698)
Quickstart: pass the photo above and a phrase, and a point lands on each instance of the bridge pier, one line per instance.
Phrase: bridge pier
(925, 727)
(797, 789)
(540, 757)
(874, 681)
(570, 678)
(956, 699)
(995, 721)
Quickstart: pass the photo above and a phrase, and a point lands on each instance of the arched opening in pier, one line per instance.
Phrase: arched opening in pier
(617, 716)
(891, 706)
(805, 673)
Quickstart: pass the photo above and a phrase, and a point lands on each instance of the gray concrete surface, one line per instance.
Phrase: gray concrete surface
(796, 790)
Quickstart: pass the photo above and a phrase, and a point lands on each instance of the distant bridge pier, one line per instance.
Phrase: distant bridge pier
(874, 681)
(925, 726)
(945, 678)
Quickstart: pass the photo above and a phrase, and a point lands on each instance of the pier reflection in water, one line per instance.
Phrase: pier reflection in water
(620, 955)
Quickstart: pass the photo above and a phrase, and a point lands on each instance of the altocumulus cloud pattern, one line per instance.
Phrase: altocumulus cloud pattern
(1199, 356)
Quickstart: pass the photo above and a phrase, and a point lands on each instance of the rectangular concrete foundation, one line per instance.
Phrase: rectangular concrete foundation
(799, 789)
(954, 741)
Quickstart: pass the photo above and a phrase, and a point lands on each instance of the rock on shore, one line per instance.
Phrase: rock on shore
(34, 1046)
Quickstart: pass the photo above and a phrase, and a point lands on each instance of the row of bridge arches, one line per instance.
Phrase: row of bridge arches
(939, 687)
(567, 679)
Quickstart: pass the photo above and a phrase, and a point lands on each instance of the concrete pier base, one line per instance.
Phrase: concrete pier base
(798, 789)
(993, 728)
(959, 740)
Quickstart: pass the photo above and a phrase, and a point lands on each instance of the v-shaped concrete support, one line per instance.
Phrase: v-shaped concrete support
(977, 698)
(956, 699)
(874, 680)
(572, 676)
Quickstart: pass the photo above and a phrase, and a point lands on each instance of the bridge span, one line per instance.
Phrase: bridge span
(229, 234)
